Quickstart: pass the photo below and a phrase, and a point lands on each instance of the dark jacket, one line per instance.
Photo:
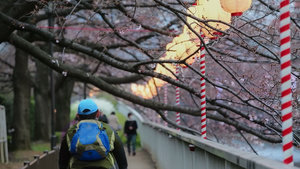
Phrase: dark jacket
(117, 155)
(130, 127)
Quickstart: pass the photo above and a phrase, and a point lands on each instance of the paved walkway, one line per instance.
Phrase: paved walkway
(142, 160)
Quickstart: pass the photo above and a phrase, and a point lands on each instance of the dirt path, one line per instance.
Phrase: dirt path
(142, 160)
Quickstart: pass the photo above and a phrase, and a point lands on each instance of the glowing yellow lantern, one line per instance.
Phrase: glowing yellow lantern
(180, 50)
(212, 10)
(235, 7)
(190, 49)
(185, 48)
(194, 24)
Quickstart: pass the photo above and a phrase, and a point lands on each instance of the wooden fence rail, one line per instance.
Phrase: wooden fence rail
(49, 160)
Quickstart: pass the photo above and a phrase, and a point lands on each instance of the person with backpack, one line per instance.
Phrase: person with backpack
(130, 128)
(91, 144)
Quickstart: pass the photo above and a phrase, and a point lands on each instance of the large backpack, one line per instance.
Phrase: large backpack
(90, 142)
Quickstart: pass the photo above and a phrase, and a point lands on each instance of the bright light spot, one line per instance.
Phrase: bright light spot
(184, 45)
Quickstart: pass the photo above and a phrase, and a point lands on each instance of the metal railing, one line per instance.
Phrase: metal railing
(175, 149)
(48, 160)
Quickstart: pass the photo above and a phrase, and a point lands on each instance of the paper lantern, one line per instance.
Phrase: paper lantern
(235, 7)
(194, 24)
(183, 47)
(212, 10)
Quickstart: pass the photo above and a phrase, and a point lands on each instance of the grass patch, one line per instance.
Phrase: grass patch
(40, 146)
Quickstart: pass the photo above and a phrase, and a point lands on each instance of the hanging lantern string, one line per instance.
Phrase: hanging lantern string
(202, 93)
(166, 102)
(286, 95)
(177, 90)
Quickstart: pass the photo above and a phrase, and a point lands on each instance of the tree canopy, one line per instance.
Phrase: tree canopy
(130, 49)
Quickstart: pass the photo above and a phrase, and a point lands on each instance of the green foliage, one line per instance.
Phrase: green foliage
(58, 137)
(40, 146)
(122, 120)
(74, 108)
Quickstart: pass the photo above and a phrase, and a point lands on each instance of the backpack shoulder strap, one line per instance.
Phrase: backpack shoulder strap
(70, 133)
(111, 135)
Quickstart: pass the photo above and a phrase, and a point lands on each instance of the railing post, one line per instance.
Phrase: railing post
(26, 163)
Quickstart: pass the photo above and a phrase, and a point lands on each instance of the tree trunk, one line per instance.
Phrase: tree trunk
(14, 9)
(42, 103)
(21, 83)
(63, 95)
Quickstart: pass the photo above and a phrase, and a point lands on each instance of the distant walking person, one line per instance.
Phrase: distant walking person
(113, 121)
(130, 132)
